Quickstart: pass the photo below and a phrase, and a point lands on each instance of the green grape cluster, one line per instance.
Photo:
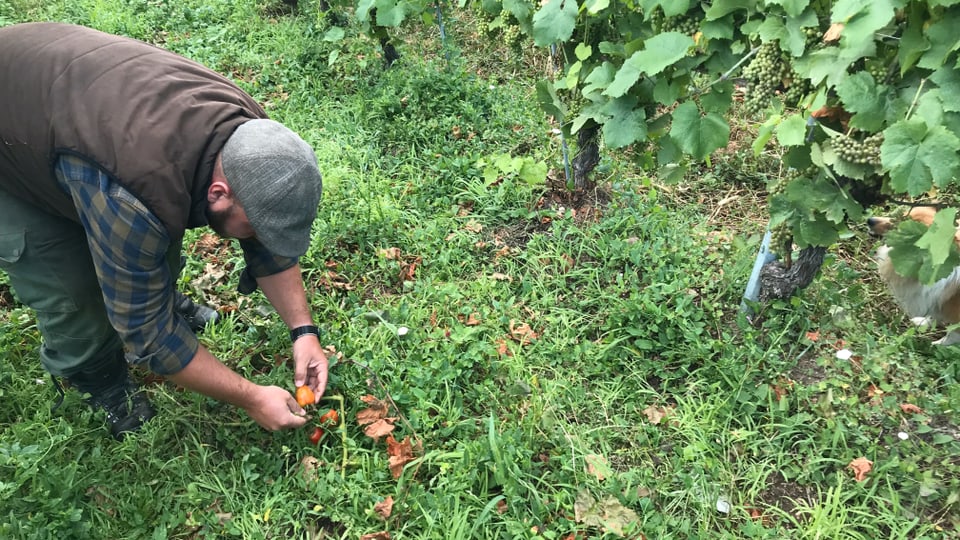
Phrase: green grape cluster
(765, 73)
(877, 70)
(681, 23)
(781, 240)
(511, 34)
(862, 152)
(796, 87)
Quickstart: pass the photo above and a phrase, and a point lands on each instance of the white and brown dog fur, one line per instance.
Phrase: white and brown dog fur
(926, 304)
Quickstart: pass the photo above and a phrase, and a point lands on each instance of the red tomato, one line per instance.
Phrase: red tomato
(305, 396)
(316, 435)
(330, 417)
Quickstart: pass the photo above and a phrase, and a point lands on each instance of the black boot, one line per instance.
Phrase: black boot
(111, 389)
(198, 316)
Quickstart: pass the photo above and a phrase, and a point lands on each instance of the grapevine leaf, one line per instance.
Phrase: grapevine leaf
(549, 102)
(788, 32)
(939, 237)
(792, 131)
(554, 22)
(583, 51)
(824, 65)
(822, 198)
(764, 134)
(599, 78)
(945, 3)
(698, 135)
(660, 51)
(390, 13)
(860, 94)
(522, 11)
(793, 7)
(949, 82)
(816, 231)
(912, 43)
(918, 156)
(666, 91)
(943, 40)
(671, 8)
(363, 10)
(593, 111)
(719, 8)
(909, 259)
(719, 98)
(596, 6)
(929, 108)
(626, 124)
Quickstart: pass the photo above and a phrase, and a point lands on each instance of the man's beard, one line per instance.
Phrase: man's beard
(217, 220)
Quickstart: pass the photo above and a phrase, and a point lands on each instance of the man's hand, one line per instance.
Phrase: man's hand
(274, 408)
(310, 365)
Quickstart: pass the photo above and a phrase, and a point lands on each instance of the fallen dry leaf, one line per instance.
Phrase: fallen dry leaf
(501, 277)
(473, 226)
(384, 508)
(377, 410)
(473, 319)
(860, 467)
(597, 466)
(408, 270)
(400, 454)
(656, 414)
(501, 506)
(502, 348)
(308, 468)
(379, 428)
(391, 254)
(910, 408)
(814, 335)
(522, 332)
(384, 535)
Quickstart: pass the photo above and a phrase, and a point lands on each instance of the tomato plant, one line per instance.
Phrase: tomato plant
(316, 435)
(330, 417)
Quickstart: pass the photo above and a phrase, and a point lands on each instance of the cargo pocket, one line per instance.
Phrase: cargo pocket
(11, 248)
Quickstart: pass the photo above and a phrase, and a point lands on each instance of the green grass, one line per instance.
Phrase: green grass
(635, 304)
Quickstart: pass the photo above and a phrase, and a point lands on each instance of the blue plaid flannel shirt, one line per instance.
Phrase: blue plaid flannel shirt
(129, 247)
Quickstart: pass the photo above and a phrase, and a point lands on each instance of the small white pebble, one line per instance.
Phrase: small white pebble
(903, 436)
(844, 354)
(40, 381)
(402, 331)
(723, 506)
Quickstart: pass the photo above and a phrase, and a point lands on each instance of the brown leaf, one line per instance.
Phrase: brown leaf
(501, 506)
(473, 319)
(522, 332)
(384, 535)
(409, 269)
(377, 410)
(308, 468)
(400, 454)
(833, 33)
(656, 414)
(501, 277)
(384, 507)
(473, 226)
(502, 348)
(391, 254)
(814, 335)
(910, 408)
(379, 428)
(597, 466)
(860, 467)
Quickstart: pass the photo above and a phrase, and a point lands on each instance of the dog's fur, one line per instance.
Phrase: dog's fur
(926, 304)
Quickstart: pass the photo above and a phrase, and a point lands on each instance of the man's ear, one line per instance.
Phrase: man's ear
(218, 190)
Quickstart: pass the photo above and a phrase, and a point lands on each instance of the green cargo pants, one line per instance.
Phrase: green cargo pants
(50, 269)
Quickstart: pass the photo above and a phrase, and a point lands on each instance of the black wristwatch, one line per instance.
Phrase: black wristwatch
(301, 331)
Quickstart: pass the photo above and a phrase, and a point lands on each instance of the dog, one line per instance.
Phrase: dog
(927, 305)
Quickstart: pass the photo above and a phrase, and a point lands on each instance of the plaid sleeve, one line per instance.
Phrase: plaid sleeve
(129, 248)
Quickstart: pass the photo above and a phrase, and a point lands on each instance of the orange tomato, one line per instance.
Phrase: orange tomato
(305, 396)
(330, 417)
(316, 435)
